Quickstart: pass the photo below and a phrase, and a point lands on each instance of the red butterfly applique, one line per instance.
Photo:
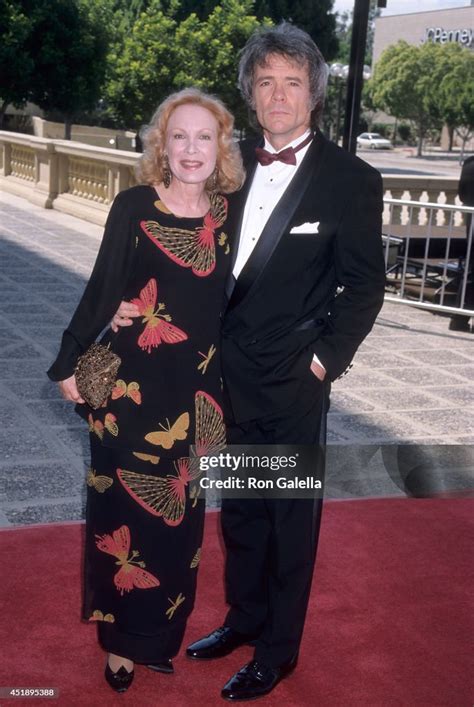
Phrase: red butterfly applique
(130, 390)
(131, 573)
(210, 428)
(164, 497)
(95, 426)
(158, 328)
(191, 249)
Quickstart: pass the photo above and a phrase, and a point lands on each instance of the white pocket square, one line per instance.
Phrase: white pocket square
(306, 228)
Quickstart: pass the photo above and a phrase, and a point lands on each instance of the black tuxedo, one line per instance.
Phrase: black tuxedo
(299, 294)
(283, 307)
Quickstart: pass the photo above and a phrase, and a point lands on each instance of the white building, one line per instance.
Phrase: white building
(441, 26)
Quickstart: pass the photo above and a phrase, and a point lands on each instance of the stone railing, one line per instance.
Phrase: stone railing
(433, 190)
(83, 180)
(78, 179)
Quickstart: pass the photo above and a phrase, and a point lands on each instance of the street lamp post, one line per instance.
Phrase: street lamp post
(340, 73)
(354, 83)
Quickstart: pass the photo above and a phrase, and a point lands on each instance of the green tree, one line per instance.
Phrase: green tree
(69, 42)
(159, 55)
(208, 52)
(402, 83)
(344, 33)
(369, 109)
(316, 18)
(201, 8)
(453, 89)
(337, 86)
(142, 67)
(16, 64)
(53, 53)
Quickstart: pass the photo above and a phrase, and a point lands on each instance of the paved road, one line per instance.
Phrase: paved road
(403, 161)
(412, 384)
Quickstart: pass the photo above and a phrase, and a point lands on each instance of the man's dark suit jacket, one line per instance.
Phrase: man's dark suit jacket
(301, 294)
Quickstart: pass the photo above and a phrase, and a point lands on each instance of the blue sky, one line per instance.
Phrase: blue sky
(397, 7)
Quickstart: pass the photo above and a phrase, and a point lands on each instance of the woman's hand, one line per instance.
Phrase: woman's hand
(69, 390)
(124, 315)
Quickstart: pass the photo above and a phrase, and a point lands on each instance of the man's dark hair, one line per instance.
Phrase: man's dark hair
(292, 43)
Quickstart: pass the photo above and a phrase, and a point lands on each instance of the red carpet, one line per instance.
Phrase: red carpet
(389, 621)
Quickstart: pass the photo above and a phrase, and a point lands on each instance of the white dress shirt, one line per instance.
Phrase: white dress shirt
(268, 186)
(266, 190)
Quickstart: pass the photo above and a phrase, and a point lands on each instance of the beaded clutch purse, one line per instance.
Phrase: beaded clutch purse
(95, 372)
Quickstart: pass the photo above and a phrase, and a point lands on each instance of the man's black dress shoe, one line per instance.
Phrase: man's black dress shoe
(119, 681)
(165, 666)
(217, 644)
(255, 680)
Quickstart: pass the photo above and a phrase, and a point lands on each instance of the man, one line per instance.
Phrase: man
(307, 283)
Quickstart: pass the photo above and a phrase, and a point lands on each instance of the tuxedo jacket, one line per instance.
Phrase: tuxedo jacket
(303, 293)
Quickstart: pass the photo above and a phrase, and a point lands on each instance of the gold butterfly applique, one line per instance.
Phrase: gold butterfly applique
(147, 457)
(99, 616)
(167, 436)
(99, 483)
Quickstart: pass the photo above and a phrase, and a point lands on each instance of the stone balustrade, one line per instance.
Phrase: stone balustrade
(428, 189)
(73, 177)
(83, 180)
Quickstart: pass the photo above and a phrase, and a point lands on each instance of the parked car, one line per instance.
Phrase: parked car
(373, 141)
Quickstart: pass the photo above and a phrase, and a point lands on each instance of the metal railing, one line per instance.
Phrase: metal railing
(428, 251)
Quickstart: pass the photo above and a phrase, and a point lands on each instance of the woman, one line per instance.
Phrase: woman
(165, 248)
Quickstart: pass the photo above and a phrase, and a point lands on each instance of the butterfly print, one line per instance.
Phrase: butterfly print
(196, 559)
(99, 483)
(194, 493)
(164, 497)
(167, 436)
(96, 426)
(110, 424)
(131, 573)
(146, 457)
(223, 241)
(210, 428)
(207, 359)
(174, 605)
(158, 204)
(158, 328)
(97, 615)
(191, 249)
(132, 391)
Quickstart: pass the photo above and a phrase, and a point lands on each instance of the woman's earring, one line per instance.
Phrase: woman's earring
(213, 179)
(166, 172)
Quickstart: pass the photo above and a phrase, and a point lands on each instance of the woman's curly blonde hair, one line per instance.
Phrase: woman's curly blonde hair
(230, 174)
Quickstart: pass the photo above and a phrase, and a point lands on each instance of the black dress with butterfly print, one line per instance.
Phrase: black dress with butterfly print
(145, 514)
(174, 269)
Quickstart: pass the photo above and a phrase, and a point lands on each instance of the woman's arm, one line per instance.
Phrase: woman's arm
(102, 295)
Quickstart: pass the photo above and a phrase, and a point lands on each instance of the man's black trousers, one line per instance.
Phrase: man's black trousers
(271, 543)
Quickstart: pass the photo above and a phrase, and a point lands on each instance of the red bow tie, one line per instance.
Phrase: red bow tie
(288, 155)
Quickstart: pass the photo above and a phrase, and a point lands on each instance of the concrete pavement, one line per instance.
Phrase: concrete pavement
(403, 160)
(412, 383)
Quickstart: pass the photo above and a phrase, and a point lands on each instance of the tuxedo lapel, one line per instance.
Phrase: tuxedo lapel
(238, 208)
(278, 221)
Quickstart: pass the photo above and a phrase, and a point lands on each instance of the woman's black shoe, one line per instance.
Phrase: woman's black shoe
(119, 681)
(164, 666)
